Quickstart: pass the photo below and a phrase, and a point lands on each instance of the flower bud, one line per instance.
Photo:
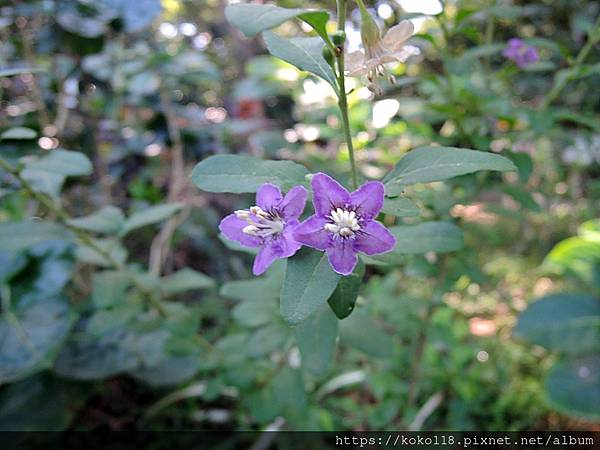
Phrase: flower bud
(327, 55)
(369, 31)
(339, 38)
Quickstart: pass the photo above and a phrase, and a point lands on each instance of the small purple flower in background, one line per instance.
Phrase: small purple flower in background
(520, 53)
(344, 224)
(268, 225)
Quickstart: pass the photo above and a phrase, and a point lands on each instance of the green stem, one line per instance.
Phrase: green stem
(86, 239)
(343, 99)
(593, 38)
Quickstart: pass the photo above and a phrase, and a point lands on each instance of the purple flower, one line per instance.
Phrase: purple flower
(269, 225)
(522, 54)
(344, 224)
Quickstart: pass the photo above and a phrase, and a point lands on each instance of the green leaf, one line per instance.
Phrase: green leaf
(440, 237)
(366, 335)
(400, 207)
(62, 162)
(251, 19)
(18, 133)
(238, 174)
(267, 339)
(90, 357)
(344, 297)
(31, 336)
(185, 280)
(48, 173)
(590, 230)
(309, 282)
(91, 256)
(109, 288)
(135, 15)
(108, 220)
(576, 254)
(43, 181)
(254, 313)
(17, 236)
(105, 321)
(149, 216)
(173, 370)
(573, 386)
(316, 338)
(566, 323)
(267, 286)
(521, 196)
(306, 53)
(427, 164)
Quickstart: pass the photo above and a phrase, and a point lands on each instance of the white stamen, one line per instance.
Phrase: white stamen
(242, 214)
(260, 223)
(250, 229)
(345, 223)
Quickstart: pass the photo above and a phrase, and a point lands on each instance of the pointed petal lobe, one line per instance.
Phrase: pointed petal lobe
(368, 199)
(342, 257)
(293, 203)
(311, 233)
(397, 36)
(373, 239)
(268, 196)
(264, 259)
(328, 194)
(232, 228)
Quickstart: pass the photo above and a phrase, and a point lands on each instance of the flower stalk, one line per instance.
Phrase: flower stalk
(343, 98)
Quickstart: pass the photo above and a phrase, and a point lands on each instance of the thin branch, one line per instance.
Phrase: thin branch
(162, 242)
(426, 410)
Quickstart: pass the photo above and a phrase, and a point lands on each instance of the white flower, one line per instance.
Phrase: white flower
(378, 51)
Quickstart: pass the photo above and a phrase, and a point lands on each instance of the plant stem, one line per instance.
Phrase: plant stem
(86, 239)
(343, 99)
(593, 38)
(160, 245)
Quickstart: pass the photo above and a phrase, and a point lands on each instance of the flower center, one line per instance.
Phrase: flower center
(344, 223)
(260, 223)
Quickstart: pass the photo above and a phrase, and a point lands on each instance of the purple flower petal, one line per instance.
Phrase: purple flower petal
(328, 194)
(282, 246)
(342, 257)
(374, 238)
(311, 233)
(368, 199)
(268, 196)
(232, 227)
(293, 203)
(285, 245)
(515, 42)
(531, 55)
(264, 259)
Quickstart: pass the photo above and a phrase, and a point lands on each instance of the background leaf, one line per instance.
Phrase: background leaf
(306, 53)
(567, 323)
(238, 174)
(573, 386)
(309, 282)
(316, 337)
(149, 216)
(426, 164)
